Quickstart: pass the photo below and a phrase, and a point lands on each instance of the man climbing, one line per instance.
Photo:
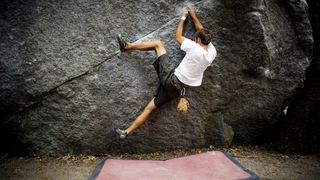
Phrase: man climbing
(173, 81)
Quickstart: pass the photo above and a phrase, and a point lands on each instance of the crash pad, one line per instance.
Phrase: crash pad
(204, 166)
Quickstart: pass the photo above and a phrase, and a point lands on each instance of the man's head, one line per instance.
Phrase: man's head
(204, 35)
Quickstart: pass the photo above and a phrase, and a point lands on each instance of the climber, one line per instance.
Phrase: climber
(173, 81)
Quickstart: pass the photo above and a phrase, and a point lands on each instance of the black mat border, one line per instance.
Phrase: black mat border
(253, 175)
(97, 170)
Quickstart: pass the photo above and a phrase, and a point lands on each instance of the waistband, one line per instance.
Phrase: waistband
(179, 85)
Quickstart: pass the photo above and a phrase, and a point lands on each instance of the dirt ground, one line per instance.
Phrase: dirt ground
(264, 162)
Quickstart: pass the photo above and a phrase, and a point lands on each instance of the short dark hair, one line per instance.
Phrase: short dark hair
(204, 35)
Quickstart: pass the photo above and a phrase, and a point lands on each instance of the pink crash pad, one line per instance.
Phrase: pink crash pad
(210, 165)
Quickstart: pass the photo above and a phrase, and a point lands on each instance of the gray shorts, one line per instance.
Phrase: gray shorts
(169, 87)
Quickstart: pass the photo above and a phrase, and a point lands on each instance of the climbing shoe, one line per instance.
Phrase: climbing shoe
(122, 133)
(122, 43)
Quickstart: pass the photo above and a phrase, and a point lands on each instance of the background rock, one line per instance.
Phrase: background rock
(65, 87)
(300, 129)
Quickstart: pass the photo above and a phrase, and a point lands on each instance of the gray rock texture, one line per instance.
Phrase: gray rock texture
(65, 87)
(300, 129)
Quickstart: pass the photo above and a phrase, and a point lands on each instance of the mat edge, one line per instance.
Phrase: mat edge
(253, 175)
(97, 170)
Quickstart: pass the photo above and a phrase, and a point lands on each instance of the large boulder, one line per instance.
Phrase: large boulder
(65, 86)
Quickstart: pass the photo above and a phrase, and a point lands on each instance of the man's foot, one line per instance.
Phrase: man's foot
(122, 43)
(123, 134)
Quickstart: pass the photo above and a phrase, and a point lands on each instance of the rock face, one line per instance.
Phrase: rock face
(300, 129)
(65, 86)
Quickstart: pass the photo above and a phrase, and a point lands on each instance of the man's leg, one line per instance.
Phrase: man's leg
(157, 46)
(142, 118)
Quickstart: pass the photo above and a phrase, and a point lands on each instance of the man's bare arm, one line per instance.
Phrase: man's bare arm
(194, 17)
(179, 31)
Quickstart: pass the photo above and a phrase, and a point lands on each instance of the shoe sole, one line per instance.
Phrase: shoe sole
(121, 42)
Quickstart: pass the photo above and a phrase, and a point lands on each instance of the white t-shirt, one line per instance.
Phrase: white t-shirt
(195, 62)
